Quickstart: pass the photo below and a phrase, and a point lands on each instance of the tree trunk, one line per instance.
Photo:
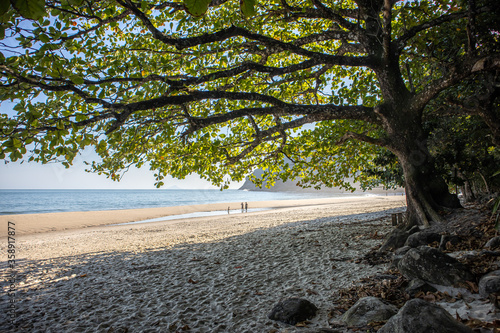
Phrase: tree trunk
(401, 117)
(426, 191)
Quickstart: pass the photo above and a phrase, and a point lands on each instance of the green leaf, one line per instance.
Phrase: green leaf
(30, 9)
(196, 7)
(497, 204)
(76, 79)
(247, 7)
(44, 38)
(16, 143)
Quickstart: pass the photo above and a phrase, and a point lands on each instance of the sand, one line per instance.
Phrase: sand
(75, 272)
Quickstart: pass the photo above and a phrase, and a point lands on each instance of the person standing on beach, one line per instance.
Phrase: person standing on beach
(246, 207)
(242, 207)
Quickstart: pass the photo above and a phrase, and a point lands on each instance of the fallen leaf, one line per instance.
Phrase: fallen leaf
(302, 324)
(83, 275)
(430, 298)
(197, 259)
(474, 288)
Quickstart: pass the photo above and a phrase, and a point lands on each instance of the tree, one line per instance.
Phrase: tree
(146, 83)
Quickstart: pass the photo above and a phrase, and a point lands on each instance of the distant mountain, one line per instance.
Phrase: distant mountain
(291, 186)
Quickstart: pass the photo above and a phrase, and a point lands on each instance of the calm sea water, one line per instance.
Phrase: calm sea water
(48, 201)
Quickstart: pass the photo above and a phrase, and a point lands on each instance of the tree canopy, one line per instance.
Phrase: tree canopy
(327, 84)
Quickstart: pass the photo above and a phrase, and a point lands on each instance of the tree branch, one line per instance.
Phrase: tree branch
(182, 43)
(387, 29)
(335, 16)
(97, 26)
(401, 41)
(66, 86)
(268, 135)
(455, 73)
(310, 113)
(360, 137)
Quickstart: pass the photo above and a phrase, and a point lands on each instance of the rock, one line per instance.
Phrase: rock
(493, 243)
(448, 239)
(398, 255)
(419, 316)
(292, 311)
(415, 286)
(422, 238)
(433, 266)
(397, 239)
(367, 310)
(489, 284)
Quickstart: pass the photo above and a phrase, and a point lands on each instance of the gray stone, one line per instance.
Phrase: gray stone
(398, 255)
(397, 239)
(292, 311)
(402, 250)
(419, 316)
(433, 266)
(367, 310)
(415, 286)
(493, 243)
(489, 284)
(422, 238)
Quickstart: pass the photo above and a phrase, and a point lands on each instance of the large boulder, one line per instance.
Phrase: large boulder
(419, 316)
(293, 310)
(367, 310)
(422, 238)
(397, 238)
(433, 266)
(489, 284)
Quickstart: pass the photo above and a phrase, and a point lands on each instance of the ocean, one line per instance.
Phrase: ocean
(50, 201)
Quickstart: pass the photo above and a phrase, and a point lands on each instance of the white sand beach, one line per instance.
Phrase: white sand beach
(77, 273)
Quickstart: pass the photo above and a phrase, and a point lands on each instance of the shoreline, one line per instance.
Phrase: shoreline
(27, 224)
